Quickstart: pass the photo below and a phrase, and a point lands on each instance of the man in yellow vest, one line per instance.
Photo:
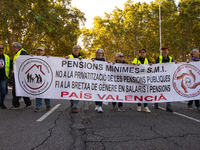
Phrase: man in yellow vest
(137, 61)
(164, 58)
(4, 75)
(75, 54)
(16, 47)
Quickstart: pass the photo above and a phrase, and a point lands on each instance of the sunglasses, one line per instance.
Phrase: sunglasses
(121, 56)
(2, 48)
(142, 52)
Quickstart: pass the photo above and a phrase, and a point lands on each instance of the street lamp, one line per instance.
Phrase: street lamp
(160, 25)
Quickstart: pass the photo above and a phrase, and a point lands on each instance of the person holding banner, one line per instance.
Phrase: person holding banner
(99, 56)
(4, 75)
(194, 58)
(41, 52)
(164, 58)
(137, 61)
(16, 47)
(119, 59)
(75, 54)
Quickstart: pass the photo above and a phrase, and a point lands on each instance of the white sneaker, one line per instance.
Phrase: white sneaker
(139, 108)
(146, 109)
(97, 108)
(120, 109)
(100, 110)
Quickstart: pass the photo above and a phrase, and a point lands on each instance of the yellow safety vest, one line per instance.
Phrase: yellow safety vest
(161, 58)
(71, 56)
(7, 65)
(136, 61)
(16, 55)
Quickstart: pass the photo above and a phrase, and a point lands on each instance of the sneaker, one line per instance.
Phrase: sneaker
(120, 109)
(156, 106)
(97, 108)
(13, 107)
(169, 109)
(28, 106)
(2, 106)
(48, 108)
(37, 110)
(100, 110)
(191, 107)
(75, 110)
(139, 108)
(146, 109)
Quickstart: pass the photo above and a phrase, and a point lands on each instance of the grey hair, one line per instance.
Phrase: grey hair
(100, 50)
(118, 54)
(16, 44)
(78, 46)
(193, 51)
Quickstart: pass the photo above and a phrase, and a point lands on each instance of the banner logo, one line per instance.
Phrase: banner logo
(35, 76)
(186, 77)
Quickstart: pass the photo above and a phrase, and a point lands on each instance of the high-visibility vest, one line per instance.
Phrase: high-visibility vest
(161, 58)
(16, 55)
(7, 65)
(136, 61)
(71, 56)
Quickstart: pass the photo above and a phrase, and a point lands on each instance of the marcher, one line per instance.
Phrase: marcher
(41, 52)
(119, 59)
(194, 58)
(164, 58)
(4, 75)
(137, 61)
(16, 47)
(75, 54)
(99, 56)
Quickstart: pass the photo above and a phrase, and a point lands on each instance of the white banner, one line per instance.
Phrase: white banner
(60, 78)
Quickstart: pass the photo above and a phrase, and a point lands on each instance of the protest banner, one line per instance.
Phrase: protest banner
(60, 78)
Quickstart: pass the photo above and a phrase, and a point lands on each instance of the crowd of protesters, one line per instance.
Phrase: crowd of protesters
(6, 67)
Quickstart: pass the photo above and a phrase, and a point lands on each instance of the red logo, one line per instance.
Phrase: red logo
(185, 81)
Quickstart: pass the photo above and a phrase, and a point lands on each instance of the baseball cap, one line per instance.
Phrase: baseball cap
(165, 48)
(41, 47)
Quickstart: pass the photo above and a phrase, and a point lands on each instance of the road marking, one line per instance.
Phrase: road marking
(48, 113)
(182, 115)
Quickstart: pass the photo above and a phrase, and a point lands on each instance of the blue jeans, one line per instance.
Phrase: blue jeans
(145, 104)
(39, 102)
(3, 90)
(74, 103)
(168, 104)
(98, 103)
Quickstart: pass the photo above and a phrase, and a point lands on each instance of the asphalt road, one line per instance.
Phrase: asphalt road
(60, 129)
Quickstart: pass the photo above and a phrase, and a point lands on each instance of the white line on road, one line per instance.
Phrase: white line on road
(48, 113)
(182, 115)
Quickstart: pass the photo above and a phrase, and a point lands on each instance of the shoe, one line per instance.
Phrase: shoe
(2, 106)
(48, 108)
(100, 110)
(169, 109)
(28, 106)
(120, 109)
(156, 106)
(198, 109)
(71, 107)
(75, 110)
(97, 108)
(113, 107)
(13, 107)
(139, 108)
(146, 109)
(37, 110)
(191, 107)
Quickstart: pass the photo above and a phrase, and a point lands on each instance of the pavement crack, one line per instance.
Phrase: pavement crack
(50, 131)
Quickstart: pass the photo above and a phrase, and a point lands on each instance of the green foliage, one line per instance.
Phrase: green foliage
(137, 26)
(51, 23)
